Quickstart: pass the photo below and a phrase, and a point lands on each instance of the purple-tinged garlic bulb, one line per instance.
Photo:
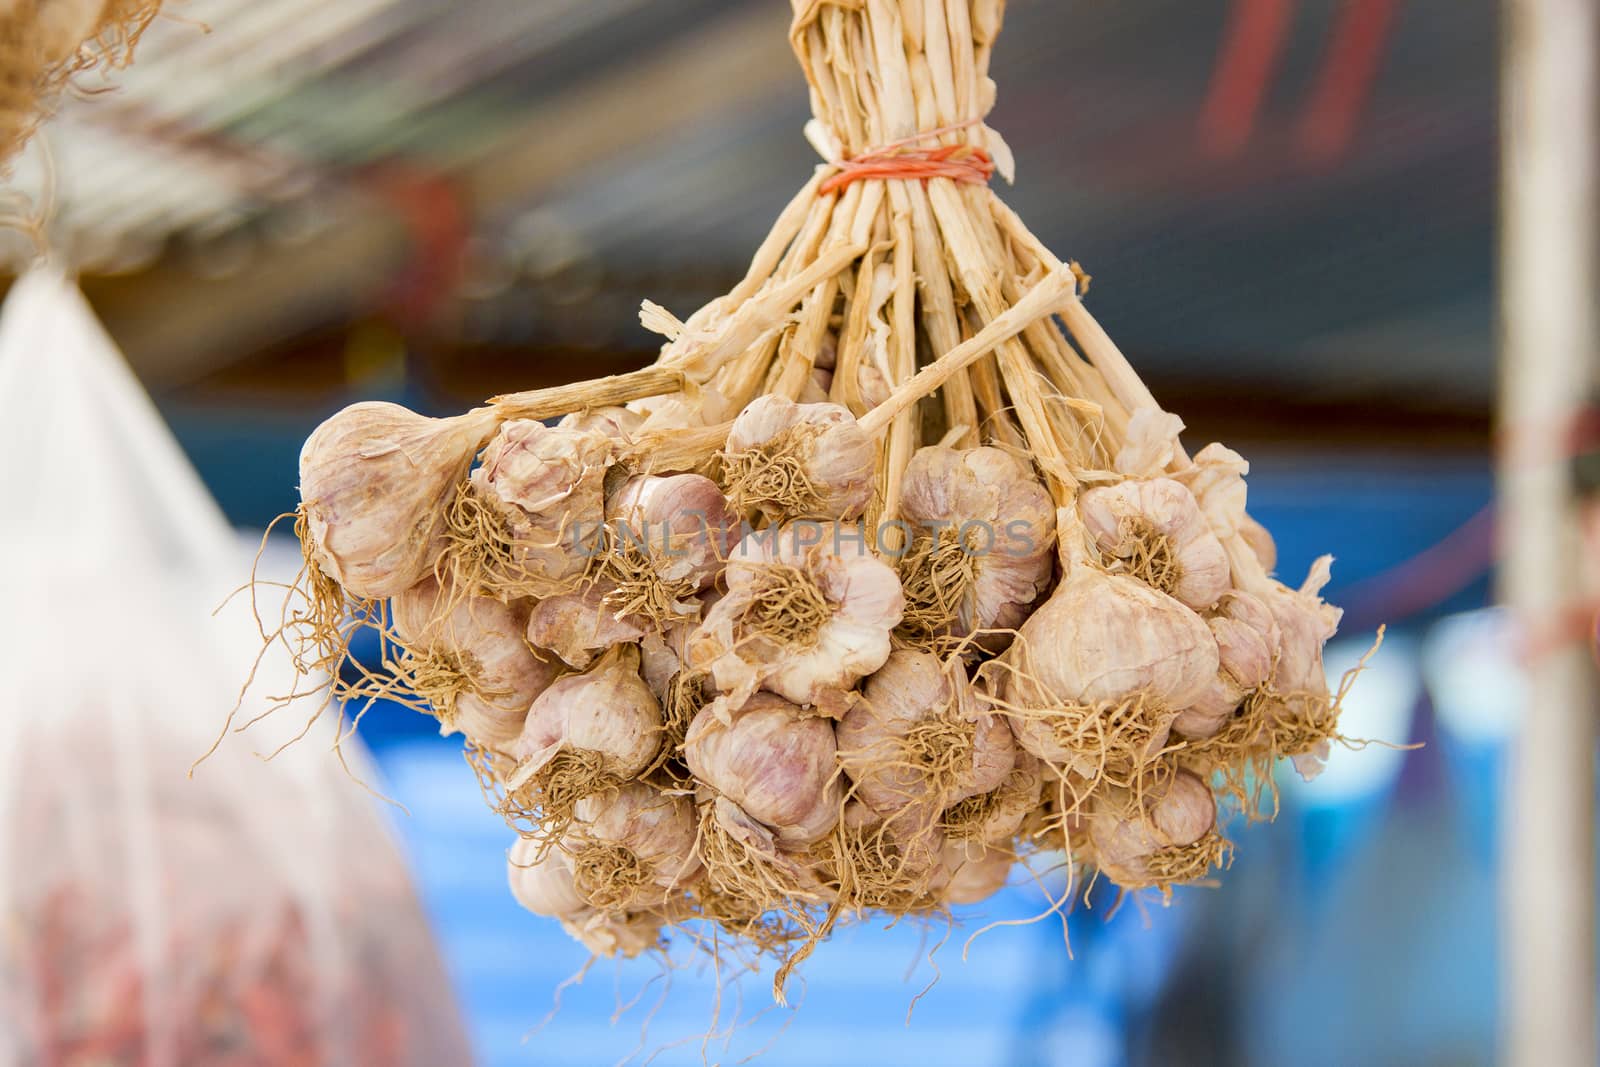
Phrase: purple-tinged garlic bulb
(610, 935)
(775, 762)
(921, 737)
(579, 626)
(1247, 643)
(631, 847)
(807, 614)
(798, 461)
(1162, 837)
(1101, 668)
(544, 488)
(981, 553)
(972, 872)
(1301, 712)
(467, 657)
(996, 816)
(376, 481)
(1155, 530)
(542, 881)
(669, 536)
(584, 734)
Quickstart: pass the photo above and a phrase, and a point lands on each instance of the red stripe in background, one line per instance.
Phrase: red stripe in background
(1251, 48)
(1344, 84)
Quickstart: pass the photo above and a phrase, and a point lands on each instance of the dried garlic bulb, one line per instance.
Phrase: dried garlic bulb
(669, 537)
(539, 499)
(467, 657)
(1155, 530)
(775, 762)
(613, 934)
(579, 626)
(798, 461)
(807, 614)
(1161, 837)
(982, 551)
(375, 482)
(632, 846)
(584, 734)
(996, 816)
(922, 738)
(1100, 669)
(1247, 643)
(972, 873)
(1301, 712)
(541, 881)
(889, 863)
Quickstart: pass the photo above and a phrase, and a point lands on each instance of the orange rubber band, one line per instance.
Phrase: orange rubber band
(958, 162)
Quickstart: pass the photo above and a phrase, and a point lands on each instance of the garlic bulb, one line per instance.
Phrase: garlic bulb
(1101, 668)
(985, 533)
(816, 388)
(798, 461)
(547, 486)
(881, 862)
(1247, 643)
(996, 816)
(1128, 835)
(775, 762)
(541, 881)
(375, 481)
(971, 873)
(807, 614)
(1156, 529)
(631, 846)
(612, 934)
(584, 733)
(467, 657)
(670, 535)
(1302, 712)
(921, 737)
(580, 625)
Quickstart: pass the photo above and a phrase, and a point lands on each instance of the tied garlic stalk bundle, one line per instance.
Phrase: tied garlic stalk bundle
(889, 574)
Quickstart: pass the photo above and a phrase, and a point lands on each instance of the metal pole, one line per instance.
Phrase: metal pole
(1548, 282)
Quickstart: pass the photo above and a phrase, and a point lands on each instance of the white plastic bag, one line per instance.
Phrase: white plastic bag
(258, 914)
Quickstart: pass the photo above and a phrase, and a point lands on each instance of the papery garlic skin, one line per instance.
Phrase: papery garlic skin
(541, 881)
(775, 762)
(1102, 638)
(991, 497)
(972, 873)
(608, 711)
(1300, 681)
(656, 830)
(1176, 814)
(1247, 644)
(617, 423)
(996, 816)
(616, 934)
(375, 481)
(834, 455)
(681, 521)
(914, 689)
(549, 485)
(482, 639)
(1120, 517)
(856, 599)
(579, 626)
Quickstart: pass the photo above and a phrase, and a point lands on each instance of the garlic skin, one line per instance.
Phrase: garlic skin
(1123, 518)
(375, 480)
(579, 626)
(682, 521)
(915, 689)
(608, 711)
(816, 387)
(1176, 815)
(773, 761)
(819, 444)
(656, 831)
(543, 883)
(549, 484)
(972, 873)
(996, 816)
(1102, 638)
(851, 599)
(617, 423)
(994, 497)
(1247, 643)
(1150, 444)
(482, 639)
(610, 934)
(1300, 681)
